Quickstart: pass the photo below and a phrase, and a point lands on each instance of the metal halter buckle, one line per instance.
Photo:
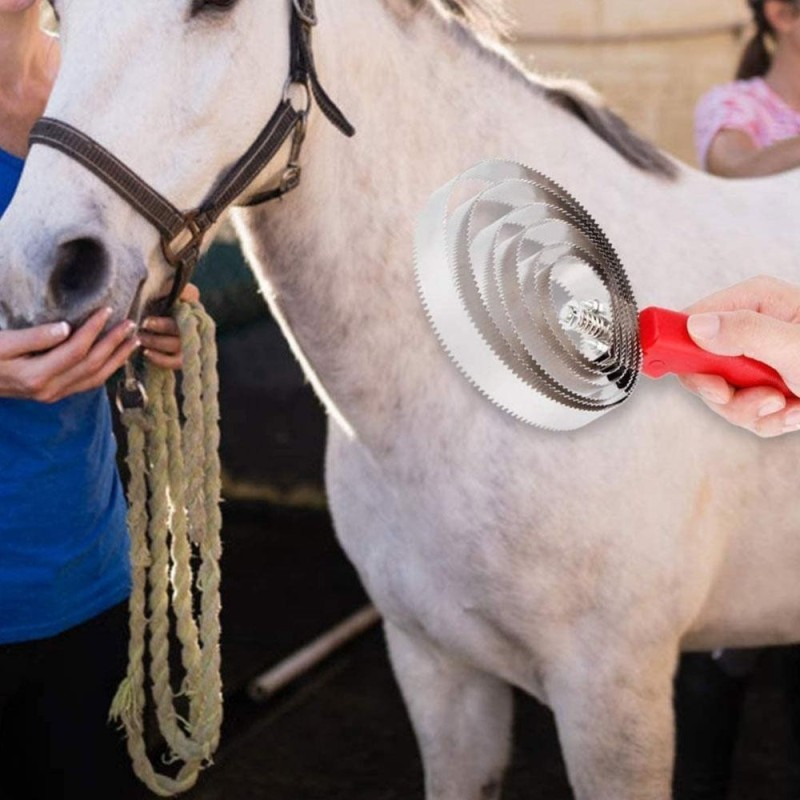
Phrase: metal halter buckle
(290, 179)
(131, 395)
(288, 96)
(188, 239)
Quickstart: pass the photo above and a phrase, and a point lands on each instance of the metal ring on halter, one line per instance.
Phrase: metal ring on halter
(305, 110)
(131, 394)
(188, 239)
(305, 16)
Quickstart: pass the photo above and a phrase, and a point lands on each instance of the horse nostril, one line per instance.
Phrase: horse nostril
(81, 267)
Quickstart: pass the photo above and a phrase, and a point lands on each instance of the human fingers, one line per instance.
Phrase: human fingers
(759, 336)
(763, 294)
(164, 360)
(57, 373)
(162, 343)
(169, 345)
(744, 407)
(711, 388)
(165, 326)
(190, 293)
(36, 376)
(28, 341)
(74, 350)
(761, 410)
(786, 421)
(98, 377)
(748, 407)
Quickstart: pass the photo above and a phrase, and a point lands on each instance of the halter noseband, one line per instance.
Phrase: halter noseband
(182, 233)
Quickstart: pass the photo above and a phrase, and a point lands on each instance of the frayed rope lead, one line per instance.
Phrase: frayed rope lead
(173, 518)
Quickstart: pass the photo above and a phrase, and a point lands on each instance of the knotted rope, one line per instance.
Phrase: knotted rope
(174, 522)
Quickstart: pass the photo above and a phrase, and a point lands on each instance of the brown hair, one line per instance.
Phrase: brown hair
(757, 58)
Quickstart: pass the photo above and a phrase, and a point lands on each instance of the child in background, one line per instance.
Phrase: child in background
(751, 127)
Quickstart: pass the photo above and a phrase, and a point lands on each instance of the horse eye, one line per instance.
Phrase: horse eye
(199, 6)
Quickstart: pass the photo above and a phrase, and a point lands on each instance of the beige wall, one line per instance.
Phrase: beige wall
(652, 60)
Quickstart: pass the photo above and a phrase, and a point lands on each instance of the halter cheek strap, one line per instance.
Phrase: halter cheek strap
(182, 233)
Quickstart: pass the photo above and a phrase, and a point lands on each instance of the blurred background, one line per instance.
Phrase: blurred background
(652, 61)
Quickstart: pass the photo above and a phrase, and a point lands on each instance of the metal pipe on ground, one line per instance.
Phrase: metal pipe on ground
(304, 660)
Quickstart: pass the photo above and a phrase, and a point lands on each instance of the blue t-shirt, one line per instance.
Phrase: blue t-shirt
(64, 548)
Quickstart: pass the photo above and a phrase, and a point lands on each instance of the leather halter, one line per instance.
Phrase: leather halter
(183, 232)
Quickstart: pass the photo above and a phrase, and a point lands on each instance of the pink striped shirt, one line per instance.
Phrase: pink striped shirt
(748, 106)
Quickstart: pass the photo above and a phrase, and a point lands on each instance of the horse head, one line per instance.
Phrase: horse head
(177, 90)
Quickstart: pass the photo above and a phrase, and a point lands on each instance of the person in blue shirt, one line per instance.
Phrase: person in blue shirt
(64, 548)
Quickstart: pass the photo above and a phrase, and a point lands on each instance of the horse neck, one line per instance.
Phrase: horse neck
(336, 258)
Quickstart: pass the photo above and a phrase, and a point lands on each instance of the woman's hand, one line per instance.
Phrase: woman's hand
(759, 318)
(42, 364)
(161, 338)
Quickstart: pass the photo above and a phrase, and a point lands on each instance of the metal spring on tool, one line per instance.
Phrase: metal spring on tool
(590, 319)
(527, 296)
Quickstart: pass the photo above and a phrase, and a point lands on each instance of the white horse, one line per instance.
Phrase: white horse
(575, 566)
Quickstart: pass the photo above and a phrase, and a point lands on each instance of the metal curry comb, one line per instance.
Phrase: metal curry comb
(530, 300)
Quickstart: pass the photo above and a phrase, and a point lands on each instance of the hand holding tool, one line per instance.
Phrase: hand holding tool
(530, 300)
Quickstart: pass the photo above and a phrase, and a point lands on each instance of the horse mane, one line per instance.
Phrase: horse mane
(581, 101)
(485, 16)
(487, 25)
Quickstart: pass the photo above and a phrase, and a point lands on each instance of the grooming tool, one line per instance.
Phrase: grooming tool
(529, 299)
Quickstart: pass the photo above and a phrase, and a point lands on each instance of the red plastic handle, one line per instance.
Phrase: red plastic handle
(667, 347)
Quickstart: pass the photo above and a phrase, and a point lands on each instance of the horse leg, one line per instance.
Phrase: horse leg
(616, 724)
(461, 716)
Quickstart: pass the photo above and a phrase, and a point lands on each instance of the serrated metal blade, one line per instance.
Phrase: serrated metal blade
(500, 250)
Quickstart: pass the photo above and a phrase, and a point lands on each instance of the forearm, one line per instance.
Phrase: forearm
(782, 156)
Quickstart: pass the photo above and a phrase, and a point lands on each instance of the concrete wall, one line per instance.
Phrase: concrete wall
(652, 61)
